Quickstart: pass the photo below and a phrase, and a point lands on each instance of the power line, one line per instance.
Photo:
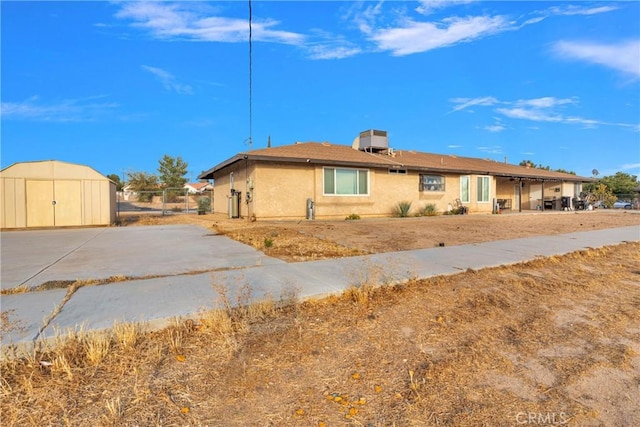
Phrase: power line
(250, 82)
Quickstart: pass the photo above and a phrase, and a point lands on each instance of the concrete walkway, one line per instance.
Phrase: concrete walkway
(182, 293)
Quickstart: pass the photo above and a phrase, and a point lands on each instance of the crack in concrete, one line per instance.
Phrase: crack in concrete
(60, 259)
(70, 291)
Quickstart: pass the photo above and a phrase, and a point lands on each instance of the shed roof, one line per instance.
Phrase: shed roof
(51, 169)
(342, 155)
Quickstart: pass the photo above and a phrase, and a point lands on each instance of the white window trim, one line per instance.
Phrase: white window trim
(324, 169)
(468, 189)
(489, 198)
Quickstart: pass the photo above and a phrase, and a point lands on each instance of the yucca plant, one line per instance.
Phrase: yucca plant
(402, 209)
(428, 210)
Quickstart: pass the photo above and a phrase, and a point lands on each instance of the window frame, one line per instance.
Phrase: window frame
(478, 185)
(357, 171)
(425, 187)
(468, 187)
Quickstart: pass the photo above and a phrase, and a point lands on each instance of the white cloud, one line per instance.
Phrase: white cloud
(533, 114)
(628, 166)
(464, 103)
(168, 80)
(414, 37)
(494, 149)
(187, 21)
(454, 146)
(545, 102)
(429, 6)
(324, 51)
(330, 46)
(68, 110)
(579, 10)
(495, 128)
(365, 19)
(543, 109)
(623, 57)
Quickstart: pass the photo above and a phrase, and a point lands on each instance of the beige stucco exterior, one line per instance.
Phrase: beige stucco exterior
(280, 190)
(278, 182)
(55, 194)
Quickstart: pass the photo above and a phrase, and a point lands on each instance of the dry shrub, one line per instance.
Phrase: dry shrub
(97, 346)
(127, 335)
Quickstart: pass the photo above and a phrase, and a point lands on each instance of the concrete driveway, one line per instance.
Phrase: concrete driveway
(166, 259)
(35, 257)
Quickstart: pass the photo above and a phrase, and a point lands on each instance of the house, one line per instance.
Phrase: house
(198, 187)
(55, 194)
(369, 178)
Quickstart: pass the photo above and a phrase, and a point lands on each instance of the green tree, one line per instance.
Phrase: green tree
(622, 184)
(564, 171)
(115, 178)
(600, 192)
(541, 166)
(172, 172)
(143, 181)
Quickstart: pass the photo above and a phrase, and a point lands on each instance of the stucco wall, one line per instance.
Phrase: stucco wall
(532, 192)
(281, 190)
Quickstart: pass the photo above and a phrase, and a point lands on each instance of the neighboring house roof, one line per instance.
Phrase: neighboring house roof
(342, 155)
(198, 186)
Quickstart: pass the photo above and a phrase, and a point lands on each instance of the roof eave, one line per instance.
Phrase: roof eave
(248, 156)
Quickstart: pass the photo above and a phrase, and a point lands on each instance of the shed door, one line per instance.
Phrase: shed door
(54, 203)
(40, 208)
(68, 207)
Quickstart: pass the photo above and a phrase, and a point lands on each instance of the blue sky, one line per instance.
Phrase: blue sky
(116, 85)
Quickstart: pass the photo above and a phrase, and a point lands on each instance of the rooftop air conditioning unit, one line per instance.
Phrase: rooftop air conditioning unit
(373, 140)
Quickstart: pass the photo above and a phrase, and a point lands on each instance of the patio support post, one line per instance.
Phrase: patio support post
(542, 201)
(519, 194)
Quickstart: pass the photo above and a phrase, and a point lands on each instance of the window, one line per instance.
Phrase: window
(484, 189)
(431, 183)
(346, 181)
(465, 182)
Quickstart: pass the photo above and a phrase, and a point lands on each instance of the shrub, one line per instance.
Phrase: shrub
(352, 217)
(204, 204)
(402, 209)
(428, 210)
(268, 242)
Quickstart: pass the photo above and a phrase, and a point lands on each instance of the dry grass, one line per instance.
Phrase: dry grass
(64, 284)
(556, 339)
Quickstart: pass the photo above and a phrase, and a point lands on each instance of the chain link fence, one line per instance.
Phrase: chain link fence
(164, 202)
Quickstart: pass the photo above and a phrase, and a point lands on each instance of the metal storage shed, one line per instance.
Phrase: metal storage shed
(55, 194)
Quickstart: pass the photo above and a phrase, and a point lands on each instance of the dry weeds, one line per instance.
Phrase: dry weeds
(554, 340)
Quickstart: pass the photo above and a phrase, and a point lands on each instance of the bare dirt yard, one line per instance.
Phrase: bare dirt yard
(554, 341)
(308, 240)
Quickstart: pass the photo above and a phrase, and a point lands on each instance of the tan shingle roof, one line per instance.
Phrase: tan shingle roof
(329, 154)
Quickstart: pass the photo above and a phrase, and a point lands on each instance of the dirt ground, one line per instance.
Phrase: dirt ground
(308, 240)
(554, 341)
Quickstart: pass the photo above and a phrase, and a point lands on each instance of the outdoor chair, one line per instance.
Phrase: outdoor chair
(460, 207)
